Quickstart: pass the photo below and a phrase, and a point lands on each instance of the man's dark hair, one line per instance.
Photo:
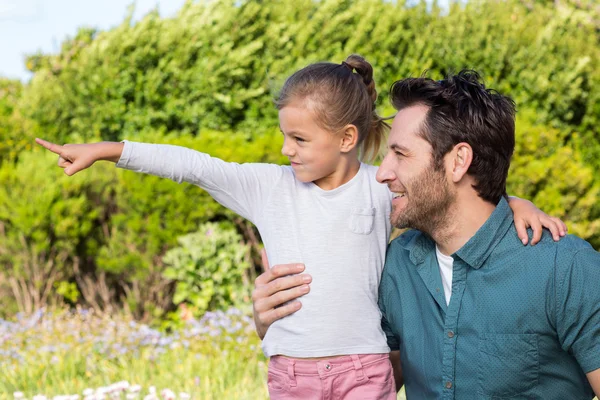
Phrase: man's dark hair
(461, 109)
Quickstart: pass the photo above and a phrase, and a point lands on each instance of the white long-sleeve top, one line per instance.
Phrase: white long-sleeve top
(340, 235)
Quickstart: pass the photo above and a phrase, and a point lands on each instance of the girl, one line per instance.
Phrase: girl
(325, 210)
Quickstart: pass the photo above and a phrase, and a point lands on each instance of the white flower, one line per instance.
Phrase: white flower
(88, 392)
(168, 394)
(123, 385)
(184, 396)
(135, 389)
(18, 395)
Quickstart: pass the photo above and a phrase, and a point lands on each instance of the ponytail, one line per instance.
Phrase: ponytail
(378, 129)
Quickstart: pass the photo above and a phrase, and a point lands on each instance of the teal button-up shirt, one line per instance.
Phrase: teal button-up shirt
(523, 321)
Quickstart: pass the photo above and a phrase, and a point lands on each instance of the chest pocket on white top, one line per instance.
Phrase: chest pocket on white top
(361, 220)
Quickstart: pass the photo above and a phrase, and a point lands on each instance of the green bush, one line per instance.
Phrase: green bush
(12, 125)
(105, 229)
(210, 268)
(556, 178)
(217, 65)
(49, 227)
(207, 77)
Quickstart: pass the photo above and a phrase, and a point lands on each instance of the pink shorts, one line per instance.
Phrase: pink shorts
(360, 377)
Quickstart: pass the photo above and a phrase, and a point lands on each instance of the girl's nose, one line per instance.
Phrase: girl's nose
(286, 149)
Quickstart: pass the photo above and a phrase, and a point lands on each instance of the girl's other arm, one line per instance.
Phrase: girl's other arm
(527, 215)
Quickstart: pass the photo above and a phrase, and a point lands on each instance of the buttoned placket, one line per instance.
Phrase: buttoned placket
(459, 275)
(430, 274)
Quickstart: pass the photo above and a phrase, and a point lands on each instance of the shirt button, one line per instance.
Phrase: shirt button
(450, 334)
(448, 385)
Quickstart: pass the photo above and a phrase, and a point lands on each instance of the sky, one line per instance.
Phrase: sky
(29, 26)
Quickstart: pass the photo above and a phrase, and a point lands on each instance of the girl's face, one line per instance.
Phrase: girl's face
(314, 153)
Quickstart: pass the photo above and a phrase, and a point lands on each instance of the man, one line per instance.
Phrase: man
(469, 310)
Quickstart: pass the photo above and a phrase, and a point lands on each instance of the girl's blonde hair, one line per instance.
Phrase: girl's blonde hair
(340, 94)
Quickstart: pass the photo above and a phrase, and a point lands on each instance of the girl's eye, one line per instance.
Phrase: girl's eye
(299, 139)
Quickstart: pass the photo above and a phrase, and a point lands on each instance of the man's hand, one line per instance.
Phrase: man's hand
(273, 288)
(397, 366)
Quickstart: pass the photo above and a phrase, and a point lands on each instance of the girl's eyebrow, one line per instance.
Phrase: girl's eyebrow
(291, 132)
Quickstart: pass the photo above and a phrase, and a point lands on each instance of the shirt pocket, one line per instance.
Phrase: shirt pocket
(508, 366)
(361, 220)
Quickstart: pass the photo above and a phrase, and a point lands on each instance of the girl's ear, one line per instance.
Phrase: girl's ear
(349, 138)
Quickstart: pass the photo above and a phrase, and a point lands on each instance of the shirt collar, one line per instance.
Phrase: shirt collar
(476, 250)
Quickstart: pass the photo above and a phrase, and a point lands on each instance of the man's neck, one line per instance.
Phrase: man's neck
(465, 217)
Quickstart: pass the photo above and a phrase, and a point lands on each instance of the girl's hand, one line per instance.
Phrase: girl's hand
(527, 215)
(76, 157)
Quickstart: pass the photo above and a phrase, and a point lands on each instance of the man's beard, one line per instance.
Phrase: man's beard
(429, 198)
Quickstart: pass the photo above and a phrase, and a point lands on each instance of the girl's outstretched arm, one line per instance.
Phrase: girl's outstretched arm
(243, 188)
(527, 215)
(76, 157)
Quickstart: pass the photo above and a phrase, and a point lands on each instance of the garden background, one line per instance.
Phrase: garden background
(167, 271)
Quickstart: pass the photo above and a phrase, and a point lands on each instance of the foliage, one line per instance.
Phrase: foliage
(48, 225)
(12, 125)
(218, 64)
(104, 229)
(209, 267)
(555, 177)
(206, 79)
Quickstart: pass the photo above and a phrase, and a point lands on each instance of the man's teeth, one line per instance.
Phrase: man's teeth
(397, 195)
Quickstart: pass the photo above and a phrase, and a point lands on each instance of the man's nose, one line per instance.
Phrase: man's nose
(385, 173)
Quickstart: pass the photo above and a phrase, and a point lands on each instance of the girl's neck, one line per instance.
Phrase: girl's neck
(344, 172)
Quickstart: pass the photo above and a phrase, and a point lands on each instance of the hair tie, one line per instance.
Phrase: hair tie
(350, 67)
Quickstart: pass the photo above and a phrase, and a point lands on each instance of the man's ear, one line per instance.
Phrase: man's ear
(349, 138)
(461, 157)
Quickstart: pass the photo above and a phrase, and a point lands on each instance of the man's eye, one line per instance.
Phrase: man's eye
(399, 154)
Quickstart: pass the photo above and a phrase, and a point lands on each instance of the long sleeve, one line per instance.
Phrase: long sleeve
(243, 188)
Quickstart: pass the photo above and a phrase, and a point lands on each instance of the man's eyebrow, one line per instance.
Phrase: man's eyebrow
(400, 148)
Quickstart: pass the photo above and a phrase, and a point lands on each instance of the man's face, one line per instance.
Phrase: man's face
(422, 194)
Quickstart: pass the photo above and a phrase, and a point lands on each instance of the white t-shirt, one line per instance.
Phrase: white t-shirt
(341, 235)
(445, 263)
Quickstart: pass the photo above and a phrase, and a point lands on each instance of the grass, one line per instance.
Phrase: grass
(77, 355)
(66, 353)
